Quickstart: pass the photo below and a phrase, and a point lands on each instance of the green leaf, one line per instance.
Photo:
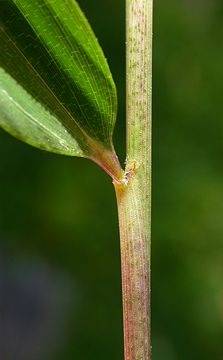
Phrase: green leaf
(56, 89)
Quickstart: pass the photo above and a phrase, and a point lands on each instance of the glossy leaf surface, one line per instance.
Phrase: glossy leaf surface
(56, 89)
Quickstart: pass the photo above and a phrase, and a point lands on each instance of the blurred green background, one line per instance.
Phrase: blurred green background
(60, 288)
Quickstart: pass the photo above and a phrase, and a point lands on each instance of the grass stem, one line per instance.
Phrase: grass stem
(134, 193)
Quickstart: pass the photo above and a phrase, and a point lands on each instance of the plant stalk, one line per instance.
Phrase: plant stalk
(134, 192)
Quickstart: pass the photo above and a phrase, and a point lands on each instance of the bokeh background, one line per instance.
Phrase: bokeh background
(60, 288)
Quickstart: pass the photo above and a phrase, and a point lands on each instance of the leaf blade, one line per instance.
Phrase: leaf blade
(18, 109)
(76, 91)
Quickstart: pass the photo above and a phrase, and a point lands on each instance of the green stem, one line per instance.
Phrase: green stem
(134, 193)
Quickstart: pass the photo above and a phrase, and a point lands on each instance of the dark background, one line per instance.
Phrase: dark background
(60, 288)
